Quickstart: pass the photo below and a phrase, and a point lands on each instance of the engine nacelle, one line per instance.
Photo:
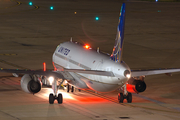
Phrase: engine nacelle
(29, 85)
(135, 86)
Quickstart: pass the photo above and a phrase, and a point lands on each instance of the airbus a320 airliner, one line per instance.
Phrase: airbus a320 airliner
(86, 68)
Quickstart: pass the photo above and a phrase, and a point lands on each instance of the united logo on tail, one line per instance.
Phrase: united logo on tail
(117, 50)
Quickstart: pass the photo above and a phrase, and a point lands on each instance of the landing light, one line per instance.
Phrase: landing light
(65, 82)
(128, 76)
(51, 79)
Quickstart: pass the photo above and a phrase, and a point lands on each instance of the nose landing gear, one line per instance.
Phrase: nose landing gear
(125, 95)
(128, 97)
(54, 96)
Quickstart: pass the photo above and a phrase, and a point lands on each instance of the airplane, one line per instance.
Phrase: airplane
(85, 68)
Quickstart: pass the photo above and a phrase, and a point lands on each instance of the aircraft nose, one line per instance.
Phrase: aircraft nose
(127, 74)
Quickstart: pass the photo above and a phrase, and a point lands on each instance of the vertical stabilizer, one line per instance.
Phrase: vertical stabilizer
(117, 50)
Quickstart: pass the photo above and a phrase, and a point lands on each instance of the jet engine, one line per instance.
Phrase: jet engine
(135, 86)
(30, 84)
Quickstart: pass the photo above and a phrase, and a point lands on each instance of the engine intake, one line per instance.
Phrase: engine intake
(140, 86)
(29, 85)
(135, 86)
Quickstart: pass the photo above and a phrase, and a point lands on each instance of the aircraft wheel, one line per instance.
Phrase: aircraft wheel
(60, 98)
(120, 97)
(129, 98)
(72, 89)
(68, 87)
(51, 98)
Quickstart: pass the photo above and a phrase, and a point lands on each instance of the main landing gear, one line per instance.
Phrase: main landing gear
(68, 88)
(125, 95)
(54, 96)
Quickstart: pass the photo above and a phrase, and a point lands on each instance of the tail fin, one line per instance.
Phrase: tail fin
(117, 50)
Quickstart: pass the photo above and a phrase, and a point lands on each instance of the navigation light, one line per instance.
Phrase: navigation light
(44, 66)
(87, 46)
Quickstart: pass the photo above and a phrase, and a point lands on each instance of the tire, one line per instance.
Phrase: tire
(129, 98)
(120, 97)
(60, 98)
(68, 87)
(51, 98)
(72, 89)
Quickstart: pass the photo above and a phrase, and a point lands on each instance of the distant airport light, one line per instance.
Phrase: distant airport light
(156, 0)
(30, 3)
(75, 13)
(87, 46)
(51, 8)
(97, 18)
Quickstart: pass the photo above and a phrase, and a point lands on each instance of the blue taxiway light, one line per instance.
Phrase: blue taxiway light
(51, 7)
(30, 3)
(97, 18)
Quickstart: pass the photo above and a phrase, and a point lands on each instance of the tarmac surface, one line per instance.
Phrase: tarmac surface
(29, 35)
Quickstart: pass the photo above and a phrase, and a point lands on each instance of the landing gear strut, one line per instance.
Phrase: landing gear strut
(72, 89)
(68, 87)
(125, 95)
(54, 96)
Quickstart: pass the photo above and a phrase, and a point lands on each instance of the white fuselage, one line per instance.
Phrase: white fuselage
(72, 55)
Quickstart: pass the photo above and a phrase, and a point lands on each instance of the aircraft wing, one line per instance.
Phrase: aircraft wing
(59, 74)
(37, 72)
(136, 73)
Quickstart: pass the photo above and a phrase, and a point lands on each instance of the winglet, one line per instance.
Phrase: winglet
(117, 50)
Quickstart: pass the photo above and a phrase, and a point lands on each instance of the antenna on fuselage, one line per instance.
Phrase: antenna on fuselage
(71, 39)
(98, 49)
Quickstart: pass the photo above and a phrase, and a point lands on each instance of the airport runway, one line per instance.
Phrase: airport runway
(29, 35)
